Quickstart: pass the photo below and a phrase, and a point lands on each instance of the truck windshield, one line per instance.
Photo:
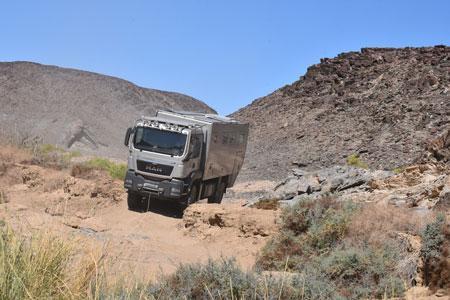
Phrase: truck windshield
(160, 141)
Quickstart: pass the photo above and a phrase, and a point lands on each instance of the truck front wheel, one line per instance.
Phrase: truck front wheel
(193, 195)
(218, 195)
(134, 201)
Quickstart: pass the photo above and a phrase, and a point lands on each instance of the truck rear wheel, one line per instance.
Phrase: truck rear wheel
(218, 195)
(134, 201)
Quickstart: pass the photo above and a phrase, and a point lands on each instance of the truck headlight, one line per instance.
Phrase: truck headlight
(175, 190)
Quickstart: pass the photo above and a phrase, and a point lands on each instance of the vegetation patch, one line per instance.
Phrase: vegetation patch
(224, 279)
(39, 267)
(435, 253)
(269, 204)
(84, 170)
(51, 156)
(317, 239)
(398, 170)
(355, 161)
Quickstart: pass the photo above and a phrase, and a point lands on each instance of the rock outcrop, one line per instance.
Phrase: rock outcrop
(382, 104)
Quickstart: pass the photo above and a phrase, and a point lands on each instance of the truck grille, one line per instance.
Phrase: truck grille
(153, 168)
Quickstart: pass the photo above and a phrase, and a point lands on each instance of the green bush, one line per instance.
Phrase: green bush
(314, 241)
(214, 280)
(330, 229)
(49, 155)
(309, 227)
(306, 212)
(435, 253)
(398, 170)
(115, 170)
(363, 272)
(225, 280)
(432, 239)
(355, 161)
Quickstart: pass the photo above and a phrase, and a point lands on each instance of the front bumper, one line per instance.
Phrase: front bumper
(166, 189)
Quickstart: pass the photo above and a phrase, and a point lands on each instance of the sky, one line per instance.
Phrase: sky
(225, 53)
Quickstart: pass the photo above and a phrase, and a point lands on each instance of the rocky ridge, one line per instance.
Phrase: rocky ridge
(383, 104)
(75, 109)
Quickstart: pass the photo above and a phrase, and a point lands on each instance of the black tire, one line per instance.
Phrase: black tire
(193, 195)
(218, 195)
(134, 201)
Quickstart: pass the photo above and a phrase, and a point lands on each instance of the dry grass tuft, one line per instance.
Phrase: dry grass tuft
(3, 197)
(376, 223)
(41, 267)
(268, 204)
(83, 170)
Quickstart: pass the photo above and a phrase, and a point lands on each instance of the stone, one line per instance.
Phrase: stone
(298, 172)
(303, 188)
(288, 190)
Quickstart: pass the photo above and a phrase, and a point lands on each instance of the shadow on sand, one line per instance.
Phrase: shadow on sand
(166, 208)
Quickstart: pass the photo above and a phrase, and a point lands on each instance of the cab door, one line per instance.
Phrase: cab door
(195, 158)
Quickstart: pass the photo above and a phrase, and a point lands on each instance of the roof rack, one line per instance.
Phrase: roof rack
(204, 117)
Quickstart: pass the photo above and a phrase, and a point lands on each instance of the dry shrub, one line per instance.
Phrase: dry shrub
(3, 197)
(42, 266)
(301, 216)
(375, 223)
(435, 253)
(82, 170)
(393, 229)
(268, 204)
(308, 228)
(88, 277)
(357, 250)
(224, 279)
(32, 268)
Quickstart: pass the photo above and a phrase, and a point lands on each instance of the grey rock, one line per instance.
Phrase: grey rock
(288, 190)
(336, 179)
(303, 188)
(298, 172)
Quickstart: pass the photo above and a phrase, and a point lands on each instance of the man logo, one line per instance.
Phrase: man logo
(153, 168)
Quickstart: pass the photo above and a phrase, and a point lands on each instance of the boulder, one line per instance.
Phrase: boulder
(324, 181)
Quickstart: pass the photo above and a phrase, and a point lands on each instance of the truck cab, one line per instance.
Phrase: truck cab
(173, 157)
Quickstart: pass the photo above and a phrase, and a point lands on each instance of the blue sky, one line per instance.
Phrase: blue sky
(226, 53)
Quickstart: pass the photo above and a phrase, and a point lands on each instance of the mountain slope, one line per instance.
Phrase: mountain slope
(380, 103)
(77, 109)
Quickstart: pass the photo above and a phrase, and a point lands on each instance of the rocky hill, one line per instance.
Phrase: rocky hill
(77, 109)
(382, 104)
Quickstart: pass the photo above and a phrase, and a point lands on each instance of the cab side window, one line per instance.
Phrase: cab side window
(195, 146)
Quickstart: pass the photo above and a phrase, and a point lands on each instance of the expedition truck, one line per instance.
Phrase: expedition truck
(183, 156)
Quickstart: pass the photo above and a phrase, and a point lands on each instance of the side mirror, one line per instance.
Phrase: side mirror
(127, 137)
